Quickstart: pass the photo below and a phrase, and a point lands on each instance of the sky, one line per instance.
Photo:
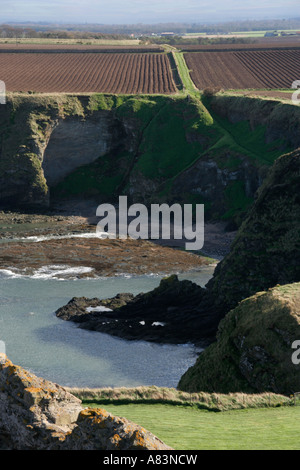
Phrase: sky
(145, 11)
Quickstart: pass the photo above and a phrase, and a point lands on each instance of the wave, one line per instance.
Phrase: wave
(65, 272)
(41, 238)
(47, 272)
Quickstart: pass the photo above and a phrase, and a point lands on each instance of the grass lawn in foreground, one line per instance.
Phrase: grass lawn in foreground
(187, 428)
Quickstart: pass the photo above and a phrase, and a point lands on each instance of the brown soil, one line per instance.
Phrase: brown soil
(93, 72)
(263, 44)
(219, 69)
(244, 69)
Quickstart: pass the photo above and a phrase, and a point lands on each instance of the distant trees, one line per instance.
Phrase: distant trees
(98, 31)
(9, 31)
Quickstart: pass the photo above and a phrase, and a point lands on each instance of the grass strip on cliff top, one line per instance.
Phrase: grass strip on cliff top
(201, 400)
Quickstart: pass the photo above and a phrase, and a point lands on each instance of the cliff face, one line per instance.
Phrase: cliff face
(151, 148)
(266, 250)
(280, 120)
(46, 137)
(253, 351)
(76, 141)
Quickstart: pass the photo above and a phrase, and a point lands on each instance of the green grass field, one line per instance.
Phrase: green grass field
(243, 34)
(187, 428)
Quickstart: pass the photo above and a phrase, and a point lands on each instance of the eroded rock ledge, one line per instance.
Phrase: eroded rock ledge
(175, 312)
(36, 414)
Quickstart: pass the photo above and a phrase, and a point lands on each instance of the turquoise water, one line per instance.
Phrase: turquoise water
(59, 351)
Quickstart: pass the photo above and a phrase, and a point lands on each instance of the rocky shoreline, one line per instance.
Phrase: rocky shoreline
(98, 257)
(29, 242)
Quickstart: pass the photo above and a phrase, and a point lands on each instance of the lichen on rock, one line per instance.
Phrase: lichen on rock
(36, 414)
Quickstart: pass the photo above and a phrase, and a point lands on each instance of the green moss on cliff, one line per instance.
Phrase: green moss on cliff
(168, 135)
(253, 351)
(266, 250)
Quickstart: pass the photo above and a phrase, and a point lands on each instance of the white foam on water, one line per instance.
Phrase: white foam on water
(47, 272)
(41, 238)
(98, 309)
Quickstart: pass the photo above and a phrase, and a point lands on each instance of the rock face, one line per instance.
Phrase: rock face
(281, 121)
(99, 430)
(253, 351)
(76, 142)
(175, 312)
(266, 250)
(36, 414)
(209, 180)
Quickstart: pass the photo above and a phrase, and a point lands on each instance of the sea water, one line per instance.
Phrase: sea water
(59, 351)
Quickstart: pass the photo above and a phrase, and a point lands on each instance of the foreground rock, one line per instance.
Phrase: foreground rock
(253, 352)
(175, 312)
(36, 414)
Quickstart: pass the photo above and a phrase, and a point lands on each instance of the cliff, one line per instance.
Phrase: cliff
(151, 148)
(253, 351)
(266, 250)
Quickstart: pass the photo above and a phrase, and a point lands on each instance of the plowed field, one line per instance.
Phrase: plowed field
(244, 69)
(219, 69)
(274, 69)
(262, 45)
(87, 72)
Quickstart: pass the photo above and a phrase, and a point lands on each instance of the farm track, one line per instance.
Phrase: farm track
(123, 73)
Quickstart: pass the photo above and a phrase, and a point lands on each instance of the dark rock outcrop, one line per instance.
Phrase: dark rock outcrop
(175, 312)
(36, 414)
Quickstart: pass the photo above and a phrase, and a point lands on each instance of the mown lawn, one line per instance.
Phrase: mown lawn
(185, 428)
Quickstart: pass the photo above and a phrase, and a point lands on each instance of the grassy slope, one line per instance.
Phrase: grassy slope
(190, 429)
